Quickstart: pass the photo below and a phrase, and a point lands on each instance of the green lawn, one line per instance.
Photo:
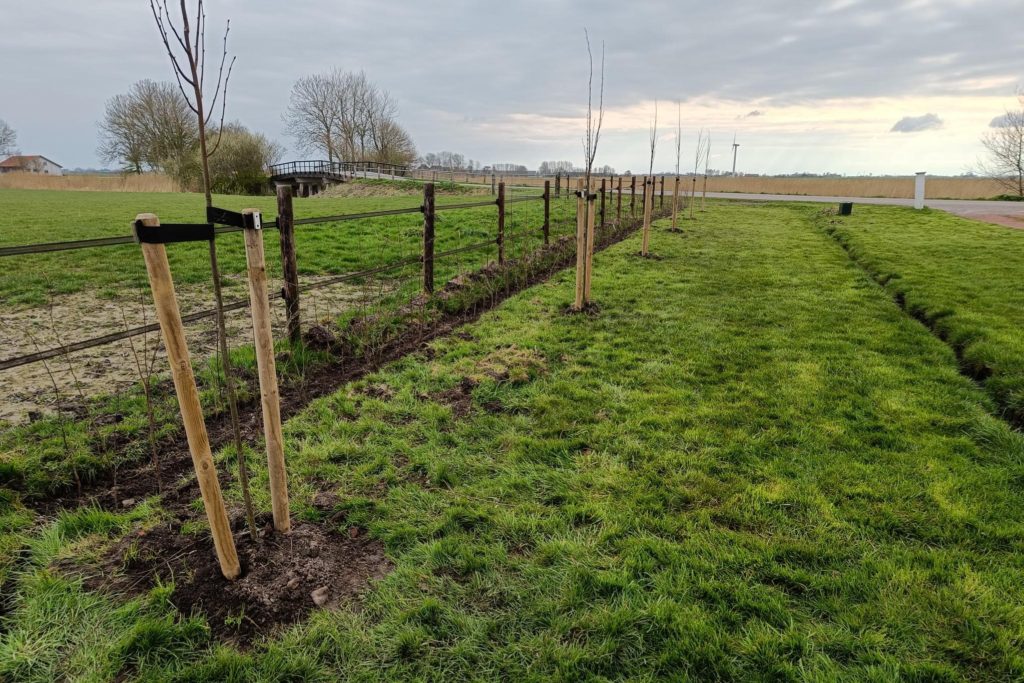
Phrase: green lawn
(750, 464)
(32, 216)
(961, 277)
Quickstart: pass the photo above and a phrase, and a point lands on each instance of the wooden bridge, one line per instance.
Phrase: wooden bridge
(311, 177)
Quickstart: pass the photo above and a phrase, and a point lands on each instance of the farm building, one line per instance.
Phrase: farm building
(30, 164)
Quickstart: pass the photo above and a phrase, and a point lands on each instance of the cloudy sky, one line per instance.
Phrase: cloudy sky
(848, 86)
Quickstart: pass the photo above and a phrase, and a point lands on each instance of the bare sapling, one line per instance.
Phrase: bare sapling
(649, 184)
(144, 368)
(702, 142)
(584, 206)
(707, 164)
(59, 402)
(184, 39)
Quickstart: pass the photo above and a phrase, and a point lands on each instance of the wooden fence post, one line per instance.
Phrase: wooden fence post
(501, 223)
(632, 196)
(648, 207)
(581, 245)
(661, 202)
(289, 267)
(169, 315)
(589, 263)
(558, 185)
(428, 238)
(547, 212)
(603, 185)
(618, 204)
(704, 193)
(270, 398)
(494, 180)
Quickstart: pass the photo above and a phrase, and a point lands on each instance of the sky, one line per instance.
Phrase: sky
(842, 86)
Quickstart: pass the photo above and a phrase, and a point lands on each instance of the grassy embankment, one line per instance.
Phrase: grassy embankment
(960, 277)
(750, 464)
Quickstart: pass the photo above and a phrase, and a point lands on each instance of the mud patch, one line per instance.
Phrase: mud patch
(284, 577)
(591, 309)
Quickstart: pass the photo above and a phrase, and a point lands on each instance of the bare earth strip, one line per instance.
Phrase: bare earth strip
(110, 368)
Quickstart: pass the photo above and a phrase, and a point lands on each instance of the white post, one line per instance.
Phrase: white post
(919, 190)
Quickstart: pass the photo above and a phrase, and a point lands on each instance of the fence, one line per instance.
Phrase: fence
(548, 219)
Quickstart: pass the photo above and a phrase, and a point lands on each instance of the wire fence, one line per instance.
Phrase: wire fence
(384, 249)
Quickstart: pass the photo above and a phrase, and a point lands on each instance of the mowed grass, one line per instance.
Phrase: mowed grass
(960, 276)
(750, 464)
(33, 216)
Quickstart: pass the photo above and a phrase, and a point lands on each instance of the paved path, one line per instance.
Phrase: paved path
(1010, 214)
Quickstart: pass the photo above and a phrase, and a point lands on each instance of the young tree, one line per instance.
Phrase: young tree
(148, 128)
(8, 138)
(184, 38)
(1004, 144)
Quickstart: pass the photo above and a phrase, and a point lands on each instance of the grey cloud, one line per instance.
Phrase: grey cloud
(483, 59)
(917, 124)
(754, 114)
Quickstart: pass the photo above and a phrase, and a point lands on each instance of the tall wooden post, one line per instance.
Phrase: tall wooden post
(581, 244)
(547, 212)
(632, 196)
(501, 223)
(589, 263)
(270, 398)
(558, 185)
(704, 193)
(169, 315)
(289, 267)
(494, 180)
(648, 207)
(618, 204)
(661, 202)
(675, 204)
(429, 214)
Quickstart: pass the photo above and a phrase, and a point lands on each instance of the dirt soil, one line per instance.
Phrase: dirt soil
(27, 392)
(284, 576)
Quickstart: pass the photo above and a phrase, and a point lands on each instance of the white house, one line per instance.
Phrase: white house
(30, 164)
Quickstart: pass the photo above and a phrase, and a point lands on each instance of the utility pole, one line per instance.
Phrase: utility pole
(735, 148)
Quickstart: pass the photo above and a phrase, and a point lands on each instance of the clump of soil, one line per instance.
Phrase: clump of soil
(650, 256)
(676, 231)
(284, 576)
(591, 309)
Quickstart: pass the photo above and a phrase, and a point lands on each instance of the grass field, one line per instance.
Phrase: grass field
(749, 464)
(33, 216)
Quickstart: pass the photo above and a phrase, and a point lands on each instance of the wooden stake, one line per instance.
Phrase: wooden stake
(589, 265)
(618, 204)
(704, 194)
(648, 206)
(661, 202)
(675, 204)
(169, 315)
(259, 306)
(603, 190)
(581, 244)
(632, 196)
(693, 196)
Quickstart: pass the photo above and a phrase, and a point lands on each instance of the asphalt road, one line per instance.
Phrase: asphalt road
(1009, 214)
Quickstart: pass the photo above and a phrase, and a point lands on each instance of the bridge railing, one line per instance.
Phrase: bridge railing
(335, 169)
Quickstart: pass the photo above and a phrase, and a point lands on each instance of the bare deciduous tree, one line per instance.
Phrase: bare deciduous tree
(8, 138)
(1005, 146)
(345, 116)
(593, 135)
(187, 53)
(148, 128)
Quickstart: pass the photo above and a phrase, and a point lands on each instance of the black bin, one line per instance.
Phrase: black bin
(846, 208)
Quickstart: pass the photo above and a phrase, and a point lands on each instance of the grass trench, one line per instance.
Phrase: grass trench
(959, 277)
(749, 464)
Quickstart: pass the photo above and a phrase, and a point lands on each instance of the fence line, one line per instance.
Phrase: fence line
(292, 287)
